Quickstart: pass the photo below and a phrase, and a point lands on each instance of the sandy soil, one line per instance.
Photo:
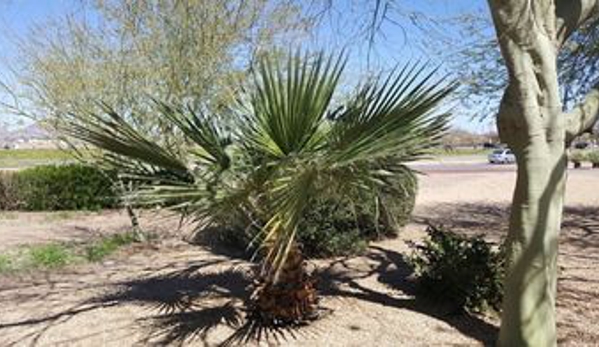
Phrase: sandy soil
(495, 185)
(17, 228)
(186, 294)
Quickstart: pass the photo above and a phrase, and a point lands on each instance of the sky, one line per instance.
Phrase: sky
(395, 43)
(18, 16)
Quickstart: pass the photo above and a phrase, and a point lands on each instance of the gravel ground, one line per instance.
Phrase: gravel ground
(135, 297)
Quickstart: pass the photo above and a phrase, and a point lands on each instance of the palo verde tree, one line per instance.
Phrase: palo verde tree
(533, 122)
(127, 53)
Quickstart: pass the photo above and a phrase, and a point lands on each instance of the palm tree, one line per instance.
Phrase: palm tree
(289, 145)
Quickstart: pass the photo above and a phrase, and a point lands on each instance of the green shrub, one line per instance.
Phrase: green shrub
(50, 255)
(466, 272)
(108, 245)
(593, 157)
(333, 227)
(9, 199)
(578, 157)
(58, 187)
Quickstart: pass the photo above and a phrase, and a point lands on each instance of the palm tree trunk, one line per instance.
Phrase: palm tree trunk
(290, 298)
(137, 231)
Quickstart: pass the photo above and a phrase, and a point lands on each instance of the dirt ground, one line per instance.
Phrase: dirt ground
(17, 228)
(187, 294)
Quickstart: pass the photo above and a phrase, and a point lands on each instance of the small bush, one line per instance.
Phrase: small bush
(593, 157)
(50, 256)
(108, 245)
(344, 227)
(332, 227)
(9, 199)
(57, 187)
(578, 157)
(466, 272)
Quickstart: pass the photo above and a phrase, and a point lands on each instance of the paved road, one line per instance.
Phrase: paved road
(480, 166)
(443, 183)
(475, 167)
(460, 164)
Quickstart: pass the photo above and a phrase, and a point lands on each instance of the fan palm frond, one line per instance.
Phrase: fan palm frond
(288, 103)
(392, 118)
(112, 133)
(204, 131)
(364, 148)
(290, 146)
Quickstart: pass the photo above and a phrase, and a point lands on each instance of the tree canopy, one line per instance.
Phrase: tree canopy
(479, 66)
(127, 53)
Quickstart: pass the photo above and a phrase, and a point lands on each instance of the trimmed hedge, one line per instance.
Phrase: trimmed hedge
(57, 187)
(593, 157)
(577, 157)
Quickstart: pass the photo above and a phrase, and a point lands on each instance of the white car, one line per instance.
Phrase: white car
(502, 156)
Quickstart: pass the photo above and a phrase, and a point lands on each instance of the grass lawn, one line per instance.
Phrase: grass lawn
(441, 152)
(21, 158)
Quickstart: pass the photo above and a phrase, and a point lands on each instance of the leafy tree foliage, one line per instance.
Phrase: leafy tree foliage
(126, 53)
(479, 66)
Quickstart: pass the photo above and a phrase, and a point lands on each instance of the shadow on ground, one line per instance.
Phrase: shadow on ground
(580, 225)
(341, 279)
(187, 301)
(185, 305)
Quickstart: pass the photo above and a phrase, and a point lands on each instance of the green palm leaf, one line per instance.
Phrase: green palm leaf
(288, 104)
(289, 146)
(393, 118)
(206, 133)
(363, 149)
(112, 133)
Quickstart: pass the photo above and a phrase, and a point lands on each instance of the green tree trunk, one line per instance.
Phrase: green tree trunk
(531, 121)
(528, 317)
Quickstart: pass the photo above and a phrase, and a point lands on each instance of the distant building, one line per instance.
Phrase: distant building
(463, 139)
(30, 137)
(37, 144)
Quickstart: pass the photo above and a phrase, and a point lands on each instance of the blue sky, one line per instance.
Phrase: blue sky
(17, 16)
(394, 44)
